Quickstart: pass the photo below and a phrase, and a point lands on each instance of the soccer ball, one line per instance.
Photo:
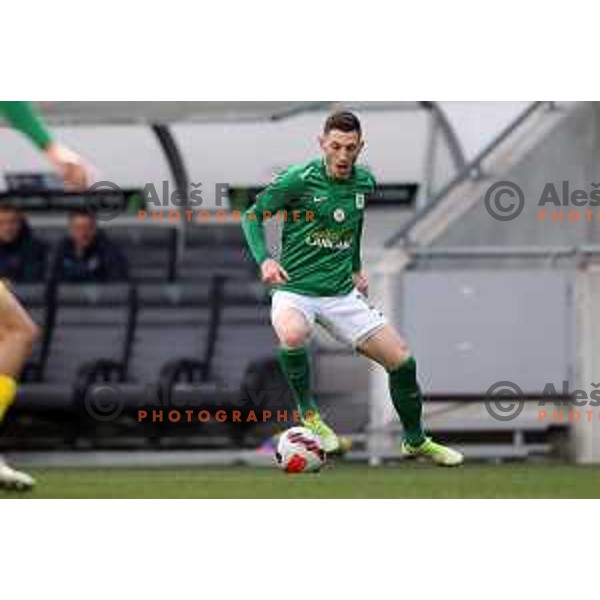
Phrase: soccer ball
(300, 451)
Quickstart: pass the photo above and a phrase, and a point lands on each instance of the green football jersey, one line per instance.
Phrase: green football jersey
(322, 227)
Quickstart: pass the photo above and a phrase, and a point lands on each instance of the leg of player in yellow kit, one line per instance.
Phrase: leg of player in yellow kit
(17, 336)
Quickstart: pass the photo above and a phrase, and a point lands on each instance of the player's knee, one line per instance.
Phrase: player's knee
(294, 339)
(292, 330)
(34, 332)
(26, 331)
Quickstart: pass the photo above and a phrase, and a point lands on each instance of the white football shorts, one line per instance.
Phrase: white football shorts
(350, 319)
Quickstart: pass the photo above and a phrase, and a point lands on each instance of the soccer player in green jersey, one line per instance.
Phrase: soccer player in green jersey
(17, 331)
(320, 280)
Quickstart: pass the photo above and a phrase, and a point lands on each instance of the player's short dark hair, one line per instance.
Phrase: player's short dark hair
(81, 212)
(343, 121)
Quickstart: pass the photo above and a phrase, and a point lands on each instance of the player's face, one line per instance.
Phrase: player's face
(341, 152)
(83, 231)
(10, 226)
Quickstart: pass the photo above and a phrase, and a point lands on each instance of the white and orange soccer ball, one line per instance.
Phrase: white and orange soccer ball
(300, 451)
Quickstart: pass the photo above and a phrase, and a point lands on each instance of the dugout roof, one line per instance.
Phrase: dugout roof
(105, 113)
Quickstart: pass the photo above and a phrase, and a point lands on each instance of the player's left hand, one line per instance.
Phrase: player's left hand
(362, 283)
(76, 174)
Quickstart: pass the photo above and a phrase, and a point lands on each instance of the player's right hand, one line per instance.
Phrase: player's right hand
(273, 273)
(76, 174)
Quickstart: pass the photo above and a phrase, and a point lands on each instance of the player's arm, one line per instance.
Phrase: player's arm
(273, 199)
(357, 248)
(23, 117)
(360, 279)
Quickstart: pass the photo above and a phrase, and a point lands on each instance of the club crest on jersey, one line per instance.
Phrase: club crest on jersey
(339, 215)
(360, 201)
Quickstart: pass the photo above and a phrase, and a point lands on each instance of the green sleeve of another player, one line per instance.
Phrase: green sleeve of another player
(23, 116)
(274, 198)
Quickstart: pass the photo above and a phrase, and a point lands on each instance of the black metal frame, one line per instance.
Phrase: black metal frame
(472, 170)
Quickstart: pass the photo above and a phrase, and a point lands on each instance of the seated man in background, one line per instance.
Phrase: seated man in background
(86, 255)
(22, 255)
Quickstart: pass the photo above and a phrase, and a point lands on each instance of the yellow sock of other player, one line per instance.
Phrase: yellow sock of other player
(8, 391)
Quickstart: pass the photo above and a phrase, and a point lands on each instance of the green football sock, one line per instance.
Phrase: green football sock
(296, 368)
(408, 401)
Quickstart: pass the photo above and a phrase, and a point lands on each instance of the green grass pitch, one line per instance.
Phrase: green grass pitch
(340, 481)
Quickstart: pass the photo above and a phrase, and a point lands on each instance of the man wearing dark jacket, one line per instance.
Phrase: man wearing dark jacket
(22, 255)
(86, 255)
